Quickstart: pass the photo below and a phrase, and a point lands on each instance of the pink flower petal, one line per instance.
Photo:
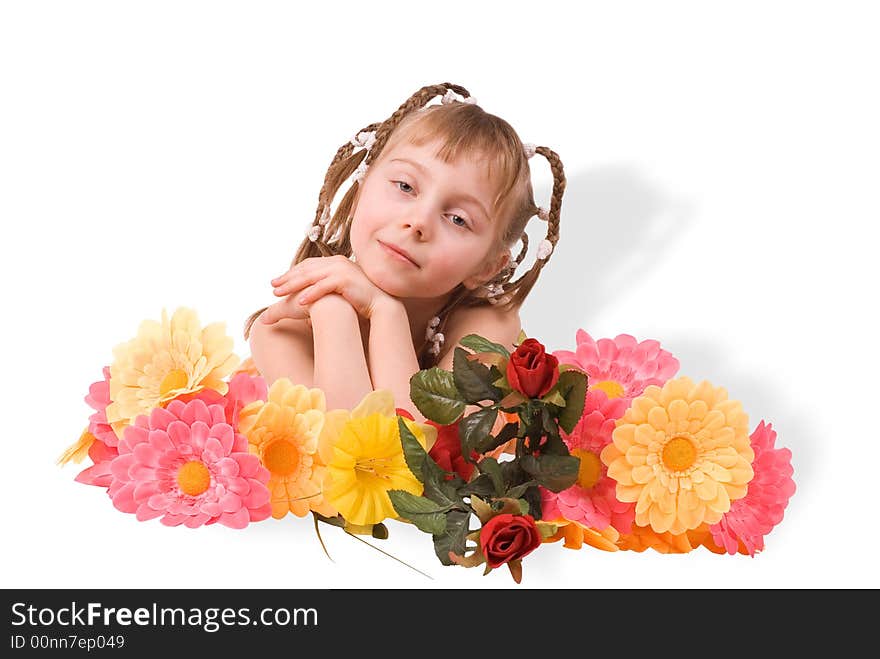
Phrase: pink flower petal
(212, 451)
(248, 463)
(228, 467)
(230, 502)
(257, 497)
(160, 418)
(236, 520)
(120, 466)
(123, 499)
(198, 434)
(145, 512)
(196, 521)
(146, 454)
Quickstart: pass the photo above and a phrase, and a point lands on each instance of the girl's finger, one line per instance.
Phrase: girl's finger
(294, 284)
(316, 291)
(305, 270)
(286, 308)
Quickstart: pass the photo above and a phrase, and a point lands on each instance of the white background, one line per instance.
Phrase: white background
(722, 167)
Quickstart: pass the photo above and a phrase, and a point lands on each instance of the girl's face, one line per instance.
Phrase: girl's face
(421, 226)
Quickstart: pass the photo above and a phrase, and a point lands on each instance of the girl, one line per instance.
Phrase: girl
(415, 257)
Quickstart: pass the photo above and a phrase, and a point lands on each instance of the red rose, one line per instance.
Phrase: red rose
(508, 537)
(531, 371)
(446, 451)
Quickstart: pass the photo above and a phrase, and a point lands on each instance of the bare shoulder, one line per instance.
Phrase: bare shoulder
(283, 349)
(489, 322)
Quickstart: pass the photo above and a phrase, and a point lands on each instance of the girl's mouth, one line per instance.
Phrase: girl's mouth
(397, 254)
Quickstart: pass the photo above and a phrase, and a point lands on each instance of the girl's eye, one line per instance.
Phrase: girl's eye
(463, 222)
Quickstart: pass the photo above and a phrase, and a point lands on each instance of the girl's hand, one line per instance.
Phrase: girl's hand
(313, 278)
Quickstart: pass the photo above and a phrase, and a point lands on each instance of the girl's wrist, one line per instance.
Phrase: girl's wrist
(332, 303)
(385, 304)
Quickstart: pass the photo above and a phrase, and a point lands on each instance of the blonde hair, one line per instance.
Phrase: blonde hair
(463, 129)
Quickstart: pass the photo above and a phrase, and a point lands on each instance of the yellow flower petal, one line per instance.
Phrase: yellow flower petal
(380, 401)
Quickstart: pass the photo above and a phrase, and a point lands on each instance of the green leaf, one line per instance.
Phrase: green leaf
(491, 467)
(513, 473)
(554, 445)
(502, 383)
(413, 452)
(482, 486)
(479, 344)
(472, 378)
(517, 491)
(475, 429)
(523, 506)
(490, 443)
(433, 392)
(533, 496)
(548, 422)
(555, 472)
(554, 398)
(572, 386)
(453, 537)
(427, 515)
(440, 490)
(522, 337)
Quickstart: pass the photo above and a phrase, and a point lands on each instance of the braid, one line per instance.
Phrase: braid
(515, 292)
(521, 287)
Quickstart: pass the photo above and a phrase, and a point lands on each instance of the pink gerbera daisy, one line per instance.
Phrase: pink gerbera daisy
(99, 473)
(591, 501)
(749, 519)
(243, 390)
(186, 464)
(98, 399)
(99, 436)
(621, 367)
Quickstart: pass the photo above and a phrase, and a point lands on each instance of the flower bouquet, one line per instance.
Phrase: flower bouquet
(599, 445)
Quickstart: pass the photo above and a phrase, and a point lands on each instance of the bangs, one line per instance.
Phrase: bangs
(468, 131)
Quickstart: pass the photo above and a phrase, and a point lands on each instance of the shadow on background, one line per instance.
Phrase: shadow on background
(616, 227)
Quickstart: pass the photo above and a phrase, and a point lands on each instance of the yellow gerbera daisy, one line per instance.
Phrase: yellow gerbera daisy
(682, 453)
(284, 432)
(165, 360)
(364, 455)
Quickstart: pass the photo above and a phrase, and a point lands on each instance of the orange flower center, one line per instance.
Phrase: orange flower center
(193, 478)
(281, 457)
(175, 379)
(590, 469)
(611, 388)
(679, 454)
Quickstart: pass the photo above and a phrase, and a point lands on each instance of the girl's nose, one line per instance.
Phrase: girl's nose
(418, 222)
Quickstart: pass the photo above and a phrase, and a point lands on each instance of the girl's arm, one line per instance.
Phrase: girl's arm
(283, 349)
(340, 365)
(393, 359)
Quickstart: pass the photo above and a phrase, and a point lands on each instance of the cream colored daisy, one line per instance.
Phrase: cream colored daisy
(682, 453)
(165, 360)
